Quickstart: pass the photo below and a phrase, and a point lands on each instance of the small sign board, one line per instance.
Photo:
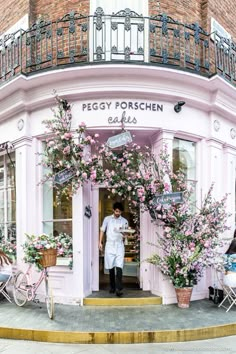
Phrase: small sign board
(168, 198)
(64, 176)
(119, 140)
(88, 211)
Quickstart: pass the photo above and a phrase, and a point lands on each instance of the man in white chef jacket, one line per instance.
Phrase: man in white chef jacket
(114, 248)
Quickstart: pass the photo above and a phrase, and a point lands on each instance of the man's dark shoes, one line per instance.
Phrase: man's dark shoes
(112, 291)
(119, 293)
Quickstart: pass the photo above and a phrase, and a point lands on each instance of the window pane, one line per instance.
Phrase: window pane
(64, 209)
(2, 236)
(7, 198)
(11, 205)
(11, 171)
(1, 206)
(184, 158)
(47, 202)
(55, 228)
(11, 232)
(1, 173)
(62, 226)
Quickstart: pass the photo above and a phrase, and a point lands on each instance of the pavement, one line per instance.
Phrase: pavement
(116, 325)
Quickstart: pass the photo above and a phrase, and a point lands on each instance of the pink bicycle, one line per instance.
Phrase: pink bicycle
(24, 290)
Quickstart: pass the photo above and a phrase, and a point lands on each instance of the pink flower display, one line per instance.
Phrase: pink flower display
(191, 240)
(190, 237)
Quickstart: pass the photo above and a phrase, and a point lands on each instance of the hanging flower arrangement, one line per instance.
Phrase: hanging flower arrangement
(68, 150)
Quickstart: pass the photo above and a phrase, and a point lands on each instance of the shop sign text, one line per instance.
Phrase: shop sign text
(125, 110)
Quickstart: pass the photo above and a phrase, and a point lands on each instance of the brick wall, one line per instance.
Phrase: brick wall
(56, 9)
(185, 11)
(11, 12)
(224, 11)
(201, 11)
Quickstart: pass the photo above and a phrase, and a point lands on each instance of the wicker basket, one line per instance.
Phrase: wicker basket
(49, 258)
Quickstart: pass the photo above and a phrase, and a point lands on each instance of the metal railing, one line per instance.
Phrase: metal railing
(124, 37)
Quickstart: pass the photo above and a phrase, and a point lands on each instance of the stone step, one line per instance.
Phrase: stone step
(128, 299)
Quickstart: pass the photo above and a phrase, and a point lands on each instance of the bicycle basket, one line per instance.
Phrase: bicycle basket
(49, 258)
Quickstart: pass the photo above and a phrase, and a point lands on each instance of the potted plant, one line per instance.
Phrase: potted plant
(190, 242)
(40, 250)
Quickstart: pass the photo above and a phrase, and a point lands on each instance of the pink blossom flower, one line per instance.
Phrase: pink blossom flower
(50, 143)
(66, 150)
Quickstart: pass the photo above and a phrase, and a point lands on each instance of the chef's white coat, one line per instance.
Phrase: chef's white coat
(114, 248)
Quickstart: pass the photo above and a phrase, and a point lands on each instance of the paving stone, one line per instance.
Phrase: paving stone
(202, 313)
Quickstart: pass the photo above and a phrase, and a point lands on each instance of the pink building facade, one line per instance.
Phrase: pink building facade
(202, 134)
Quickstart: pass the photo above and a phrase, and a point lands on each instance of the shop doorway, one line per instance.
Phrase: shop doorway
(132, 244)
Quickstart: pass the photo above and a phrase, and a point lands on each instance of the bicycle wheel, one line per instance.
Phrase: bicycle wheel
(49, 299)
(19, 289)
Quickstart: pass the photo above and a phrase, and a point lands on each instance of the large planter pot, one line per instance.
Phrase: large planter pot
(183, 296)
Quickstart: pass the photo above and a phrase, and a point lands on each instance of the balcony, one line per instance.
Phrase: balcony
(124, 37)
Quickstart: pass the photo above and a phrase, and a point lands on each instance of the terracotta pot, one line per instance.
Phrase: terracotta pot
(183, 296)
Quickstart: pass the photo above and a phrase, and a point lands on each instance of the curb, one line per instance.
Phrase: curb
(163, 336)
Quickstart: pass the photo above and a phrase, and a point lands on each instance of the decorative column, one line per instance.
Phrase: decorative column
(78, 246)
(215, 168)
(95, 237)
(229, 172)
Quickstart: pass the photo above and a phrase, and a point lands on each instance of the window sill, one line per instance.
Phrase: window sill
(63, 261)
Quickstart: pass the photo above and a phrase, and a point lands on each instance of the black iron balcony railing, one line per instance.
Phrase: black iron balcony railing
(124, 37)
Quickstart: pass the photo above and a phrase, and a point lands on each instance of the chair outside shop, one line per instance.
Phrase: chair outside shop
(3, 291)
(229, 293)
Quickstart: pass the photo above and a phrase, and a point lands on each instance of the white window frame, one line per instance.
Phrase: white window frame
(5, 188)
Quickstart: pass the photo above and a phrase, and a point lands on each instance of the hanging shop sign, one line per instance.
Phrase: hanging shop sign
(165, 200)
(119, 140)
(64, 176)
(168, 198)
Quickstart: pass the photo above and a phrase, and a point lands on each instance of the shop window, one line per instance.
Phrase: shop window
(7, 199)
(184, 159)
(57, 214)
